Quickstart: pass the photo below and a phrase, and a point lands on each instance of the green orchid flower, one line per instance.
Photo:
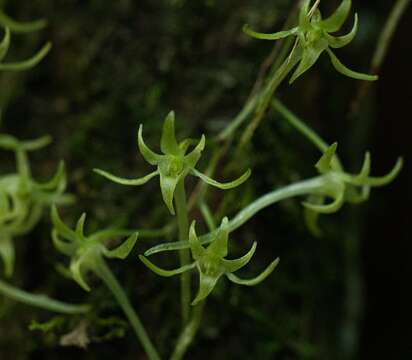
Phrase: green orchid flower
(314, 36)
(22, 199)
(173, 165)
(21, 65)
(212, 264)
(87, 252)
(341, 186)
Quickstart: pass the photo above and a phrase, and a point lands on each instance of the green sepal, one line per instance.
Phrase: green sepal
(80, 227)
(21, 26)
(337, 19)
(234, 265)
(168, 142)
(128, 182)
(304, 21)
(193, 157)
(5, 43)
(310, 55)
(64, 247)
(347, 72)
(324, 164)
(275, 36)
(337, 42)
(378, 180)
(124, 249)
(77, 274)
(60, 226)
(195, 246)
(162, 272)
(329, 208)
(256, 280)
(58, 181)
(29, 63)
(219, 246)
(223, 186)
(150, 156)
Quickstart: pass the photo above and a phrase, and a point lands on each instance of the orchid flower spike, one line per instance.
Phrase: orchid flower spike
(211, 262)
(86, 252)
(24, 64)
(313, 37)
(341, 186)
(173, 165)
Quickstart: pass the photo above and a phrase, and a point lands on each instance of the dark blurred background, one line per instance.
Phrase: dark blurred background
(116, 64)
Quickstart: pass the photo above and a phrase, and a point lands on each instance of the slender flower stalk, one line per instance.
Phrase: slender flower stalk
(41, 301)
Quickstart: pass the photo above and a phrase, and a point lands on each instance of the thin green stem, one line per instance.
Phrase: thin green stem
(387, 34)
(189, 332)
(300, 188)
(104, 272)
(184, 255)
(267, 94)
(304, 187)
(41, 301)
(301, 127)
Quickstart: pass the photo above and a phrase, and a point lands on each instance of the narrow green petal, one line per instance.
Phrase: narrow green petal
(162, 272)
(219, 246)
(5, 44)
(123, 181)
(76, 271)
(197, 249)
(365, 170)
(36, 144)
(256, 280)
(223, 186)
(8, 142)
(347, 72)
(20, 26)
(275, 36)
(61, 227)
(57, 181)
(312, 217)
(336, 20)
(330, 208)
(341, 41)
(123, 250)
(234, 265)
(310, 55)
(193, 157)
(206, 285)
(383, 180)
(168, 142)
(106, 234)
(63, 246)
(27, 64)
(304, 20)
(325, 162)
(7, 254)
(80, 227)
(150, 156)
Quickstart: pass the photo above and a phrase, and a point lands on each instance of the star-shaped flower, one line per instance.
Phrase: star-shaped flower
(212, 264)
(86, 252)
(314, 36)
(173, 165)
(341, 186)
